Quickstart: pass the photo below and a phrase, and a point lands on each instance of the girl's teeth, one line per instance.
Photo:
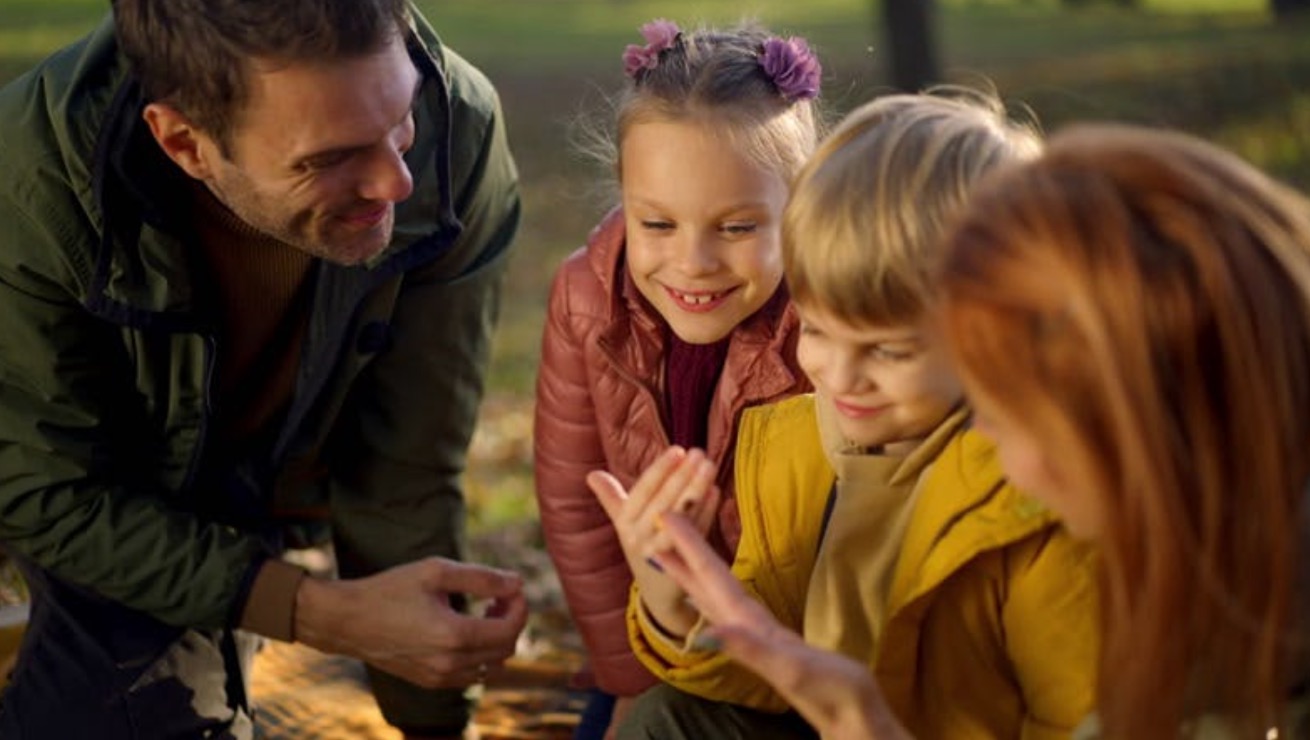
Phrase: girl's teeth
(696, 300)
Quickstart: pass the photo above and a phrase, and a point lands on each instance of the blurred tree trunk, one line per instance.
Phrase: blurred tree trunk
(1287, 8)
(910, 37)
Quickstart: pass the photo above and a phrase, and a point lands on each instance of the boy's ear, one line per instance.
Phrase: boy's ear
(184, 143)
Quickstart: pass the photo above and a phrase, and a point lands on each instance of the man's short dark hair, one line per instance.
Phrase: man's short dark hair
(196, 54)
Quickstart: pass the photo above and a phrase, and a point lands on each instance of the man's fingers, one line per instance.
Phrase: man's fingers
(478, 581)
(498, 608)
(455, 670)
(486, 635)
(445, 648)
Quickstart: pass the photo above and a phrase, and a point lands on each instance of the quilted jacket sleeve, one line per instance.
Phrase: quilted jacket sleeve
(579, 536)
(710, 675)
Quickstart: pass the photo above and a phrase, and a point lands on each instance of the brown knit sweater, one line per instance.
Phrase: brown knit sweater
(263, 292)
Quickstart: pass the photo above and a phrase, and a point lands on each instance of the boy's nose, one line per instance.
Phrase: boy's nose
(845, 374)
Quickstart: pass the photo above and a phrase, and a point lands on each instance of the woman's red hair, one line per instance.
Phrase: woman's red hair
(1141, 301)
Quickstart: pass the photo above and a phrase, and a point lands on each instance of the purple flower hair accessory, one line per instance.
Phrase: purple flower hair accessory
(660, 35)
(791, 65)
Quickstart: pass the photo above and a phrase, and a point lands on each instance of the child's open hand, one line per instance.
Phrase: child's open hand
(678, 481)
(836, 694)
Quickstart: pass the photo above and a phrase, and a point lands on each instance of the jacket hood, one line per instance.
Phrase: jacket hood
(138, 202)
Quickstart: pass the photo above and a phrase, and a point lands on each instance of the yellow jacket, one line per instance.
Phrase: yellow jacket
(991, 616)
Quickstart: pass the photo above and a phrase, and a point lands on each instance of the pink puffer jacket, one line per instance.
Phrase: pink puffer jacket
(599, 401)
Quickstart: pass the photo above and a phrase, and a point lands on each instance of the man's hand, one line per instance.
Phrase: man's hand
(401, 620)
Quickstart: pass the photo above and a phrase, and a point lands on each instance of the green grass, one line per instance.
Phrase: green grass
(1218, 68)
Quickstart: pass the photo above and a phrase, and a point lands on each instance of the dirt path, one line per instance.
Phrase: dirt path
(302, 694)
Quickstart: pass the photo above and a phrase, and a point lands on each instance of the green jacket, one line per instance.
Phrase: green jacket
(107, 353)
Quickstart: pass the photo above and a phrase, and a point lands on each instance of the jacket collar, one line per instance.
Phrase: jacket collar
(973, 510)
(606, 248)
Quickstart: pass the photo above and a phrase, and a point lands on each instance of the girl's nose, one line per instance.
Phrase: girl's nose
(698, 254)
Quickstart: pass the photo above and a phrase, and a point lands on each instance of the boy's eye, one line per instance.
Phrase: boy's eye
(656, 225)
(737, 228)
(891, 353)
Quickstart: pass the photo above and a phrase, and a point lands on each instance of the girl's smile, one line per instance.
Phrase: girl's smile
(703, 227)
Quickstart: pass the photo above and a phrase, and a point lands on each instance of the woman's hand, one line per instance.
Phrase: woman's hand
(835, 694)
(678, 481)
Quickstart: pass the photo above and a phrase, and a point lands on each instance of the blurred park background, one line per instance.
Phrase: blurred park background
(1234, 71)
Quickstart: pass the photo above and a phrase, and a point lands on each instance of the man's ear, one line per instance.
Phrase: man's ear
(188, 147)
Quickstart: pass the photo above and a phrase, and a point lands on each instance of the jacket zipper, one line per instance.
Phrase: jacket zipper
(642, 388)
(207, 411)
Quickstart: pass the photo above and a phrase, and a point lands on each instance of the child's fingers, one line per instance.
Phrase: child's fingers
(625, 508)
(653, 478)
(702, 512)
(682, 489)
(691, 499)
(699, 571)
(657, 546)
(690, 545)
(608, 491)
(769, 650)
(827, 688)
(744, 645)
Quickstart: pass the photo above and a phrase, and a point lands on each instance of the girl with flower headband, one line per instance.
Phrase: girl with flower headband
(673, 318)
(875, 520)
